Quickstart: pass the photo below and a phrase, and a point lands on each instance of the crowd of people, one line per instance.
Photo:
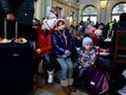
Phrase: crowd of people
(72, 56)
(69, 54)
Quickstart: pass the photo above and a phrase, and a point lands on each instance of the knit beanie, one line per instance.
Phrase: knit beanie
(50, 22)
(86, 41)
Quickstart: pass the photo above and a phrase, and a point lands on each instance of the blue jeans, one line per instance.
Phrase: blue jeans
(66, 68)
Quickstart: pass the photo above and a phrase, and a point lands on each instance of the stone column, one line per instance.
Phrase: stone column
(38, 9)
(48, 6)
(80, 13)
(42, 8)
(103, 15)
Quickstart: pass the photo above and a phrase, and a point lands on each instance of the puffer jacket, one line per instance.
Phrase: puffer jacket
(58, 43)
(44, 42)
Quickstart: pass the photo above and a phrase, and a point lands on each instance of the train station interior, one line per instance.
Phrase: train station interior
(63, 47)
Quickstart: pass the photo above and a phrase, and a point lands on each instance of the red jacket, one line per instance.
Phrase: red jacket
(44, 42)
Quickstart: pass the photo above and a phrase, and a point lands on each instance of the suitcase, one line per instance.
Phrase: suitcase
(16, 68)
(98, 82)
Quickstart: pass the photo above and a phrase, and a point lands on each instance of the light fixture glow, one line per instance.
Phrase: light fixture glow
(103, 3)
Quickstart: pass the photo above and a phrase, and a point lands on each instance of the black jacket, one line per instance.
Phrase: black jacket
(23, 9)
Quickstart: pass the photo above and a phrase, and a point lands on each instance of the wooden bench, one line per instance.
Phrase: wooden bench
(120, 47)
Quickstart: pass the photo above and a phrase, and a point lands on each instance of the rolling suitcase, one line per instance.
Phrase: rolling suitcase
(15, 66)
(98, 82)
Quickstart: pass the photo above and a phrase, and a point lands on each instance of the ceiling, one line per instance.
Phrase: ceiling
(87, 1)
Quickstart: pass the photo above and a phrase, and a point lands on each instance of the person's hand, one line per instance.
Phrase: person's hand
(64, 56)
(67, 52)
(10, 17)
(78, 38)
(38, 50)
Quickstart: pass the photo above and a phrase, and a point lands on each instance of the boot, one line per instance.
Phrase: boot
(50, 76)
(70, 81)
(70, 85)
(64, 84)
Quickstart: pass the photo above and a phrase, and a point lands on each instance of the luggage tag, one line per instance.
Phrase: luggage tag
(92, 83)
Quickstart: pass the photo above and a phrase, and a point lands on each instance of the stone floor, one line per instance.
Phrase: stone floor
(116, 83)
(55, 89)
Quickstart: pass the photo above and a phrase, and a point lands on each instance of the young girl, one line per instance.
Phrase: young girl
(86, 60)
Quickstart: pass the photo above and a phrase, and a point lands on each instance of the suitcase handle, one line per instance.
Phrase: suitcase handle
(5, 29)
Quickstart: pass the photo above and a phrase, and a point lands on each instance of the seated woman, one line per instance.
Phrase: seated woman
(62, 46)
(45, 49)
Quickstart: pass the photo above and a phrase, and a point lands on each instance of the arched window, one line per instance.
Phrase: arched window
(117, 10)
(90, 12)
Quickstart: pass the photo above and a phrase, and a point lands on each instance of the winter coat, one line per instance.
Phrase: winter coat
(44, 42)
(58, 43)
(87, 58)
